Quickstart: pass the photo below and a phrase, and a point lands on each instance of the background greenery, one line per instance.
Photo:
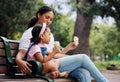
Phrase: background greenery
(102, 65)
(102, 39)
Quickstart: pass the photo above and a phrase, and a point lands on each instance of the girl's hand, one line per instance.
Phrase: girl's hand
(56, 49)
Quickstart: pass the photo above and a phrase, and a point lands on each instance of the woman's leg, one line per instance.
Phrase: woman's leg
(73, 62)
(81, 74)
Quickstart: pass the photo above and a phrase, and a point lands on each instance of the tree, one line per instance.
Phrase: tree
(83, 26)
(86, 10)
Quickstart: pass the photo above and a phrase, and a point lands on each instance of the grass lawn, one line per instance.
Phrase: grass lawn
(103, 64)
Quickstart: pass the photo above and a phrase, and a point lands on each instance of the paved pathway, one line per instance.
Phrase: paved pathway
(112, 76)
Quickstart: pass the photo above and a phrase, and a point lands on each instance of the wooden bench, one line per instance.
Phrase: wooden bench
(8, 66)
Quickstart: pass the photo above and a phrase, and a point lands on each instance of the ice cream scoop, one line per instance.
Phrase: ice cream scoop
(76, 40)
(57, 43)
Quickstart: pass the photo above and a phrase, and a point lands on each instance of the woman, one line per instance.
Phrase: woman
(75, 64)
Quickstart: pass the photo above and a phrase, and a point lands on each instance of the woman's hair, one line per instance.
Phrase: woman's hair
(41, 11)
(35, 34)
(32, 22)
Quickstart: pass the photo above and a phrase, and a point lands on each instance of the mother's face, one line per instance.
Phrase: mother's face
(46, 18)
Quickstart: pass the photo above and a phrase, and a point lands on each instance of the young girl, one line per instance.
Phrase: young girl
(40, 51)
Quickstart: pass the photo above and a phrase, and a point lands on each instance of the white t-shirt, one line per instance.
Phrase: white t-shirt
(25, 40)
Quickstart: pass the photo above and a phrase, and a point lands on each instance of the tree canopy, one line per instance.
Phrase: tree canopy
(14, 15)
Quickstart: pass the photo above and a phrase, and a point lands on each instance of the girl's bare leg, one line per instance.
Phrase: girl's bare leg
(64, 74)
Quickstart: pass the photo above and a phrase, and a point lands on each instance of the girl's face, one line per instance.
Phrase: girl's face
(46, 18)
(46, 36)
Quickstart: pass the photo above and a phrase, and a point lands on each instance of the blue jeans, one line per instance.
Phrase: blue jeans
(77, 65)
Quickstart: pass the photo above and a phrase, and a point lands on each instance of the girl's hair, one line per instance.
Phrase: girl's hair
(41, 11)
(35, 34)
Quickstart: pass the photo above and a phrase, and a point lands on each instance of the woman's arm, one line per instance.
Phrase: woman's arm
(69, 47)
(23, 46)
(23, 65)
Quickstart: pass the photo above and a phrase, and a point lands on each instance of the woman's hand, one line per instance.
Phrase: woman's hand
(24, 67)
(70, 46)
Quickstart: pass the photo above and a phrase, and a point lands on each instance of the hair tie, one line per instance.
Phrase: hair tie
(43, 28)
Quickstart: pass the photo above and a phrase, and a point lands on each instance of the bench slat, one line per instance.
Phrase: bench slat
(13, 45)
(3, 69)
(2, 52)
(3, 61)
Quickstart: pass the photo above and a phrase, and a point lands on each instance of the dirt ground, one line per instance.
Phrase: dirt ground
(112, 75)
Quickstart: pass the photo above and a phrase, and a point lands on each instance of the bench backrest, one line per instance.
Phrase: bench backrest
(4, 57)
(8, 66)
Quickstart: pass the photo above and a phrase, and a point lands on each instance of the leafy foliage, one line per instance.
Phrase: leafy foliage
(103, 8)
(103, 40)
(112, 8)
(14, 15)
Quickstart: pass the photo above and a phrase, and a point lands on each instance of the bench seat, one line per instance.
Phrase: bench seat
(9, 69)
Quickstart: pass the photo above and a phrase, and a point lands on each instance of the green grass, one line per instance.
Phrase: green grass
(104, 64)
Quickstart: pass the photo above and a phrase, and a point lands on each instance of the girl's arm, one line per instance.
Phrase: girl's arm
(49, 56)
(42, 59)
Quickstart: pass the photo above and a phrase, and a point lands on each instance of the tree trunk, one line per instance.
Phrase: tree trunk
(82, 30)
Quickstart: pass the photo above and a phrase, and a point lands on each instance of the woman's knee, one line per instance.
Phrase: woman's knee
(83, 56)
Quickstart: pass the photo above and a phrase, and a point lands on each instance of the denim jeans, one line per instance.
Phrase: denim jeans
(77, 65)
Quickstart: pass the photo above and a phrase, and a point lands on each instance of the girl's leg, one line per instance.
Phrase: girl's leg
(63, 74)
(81, 74)
(73, 62)
(52, 67)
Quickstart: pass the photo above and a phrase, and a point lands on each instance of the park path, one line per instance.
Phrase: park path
(112, 76)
